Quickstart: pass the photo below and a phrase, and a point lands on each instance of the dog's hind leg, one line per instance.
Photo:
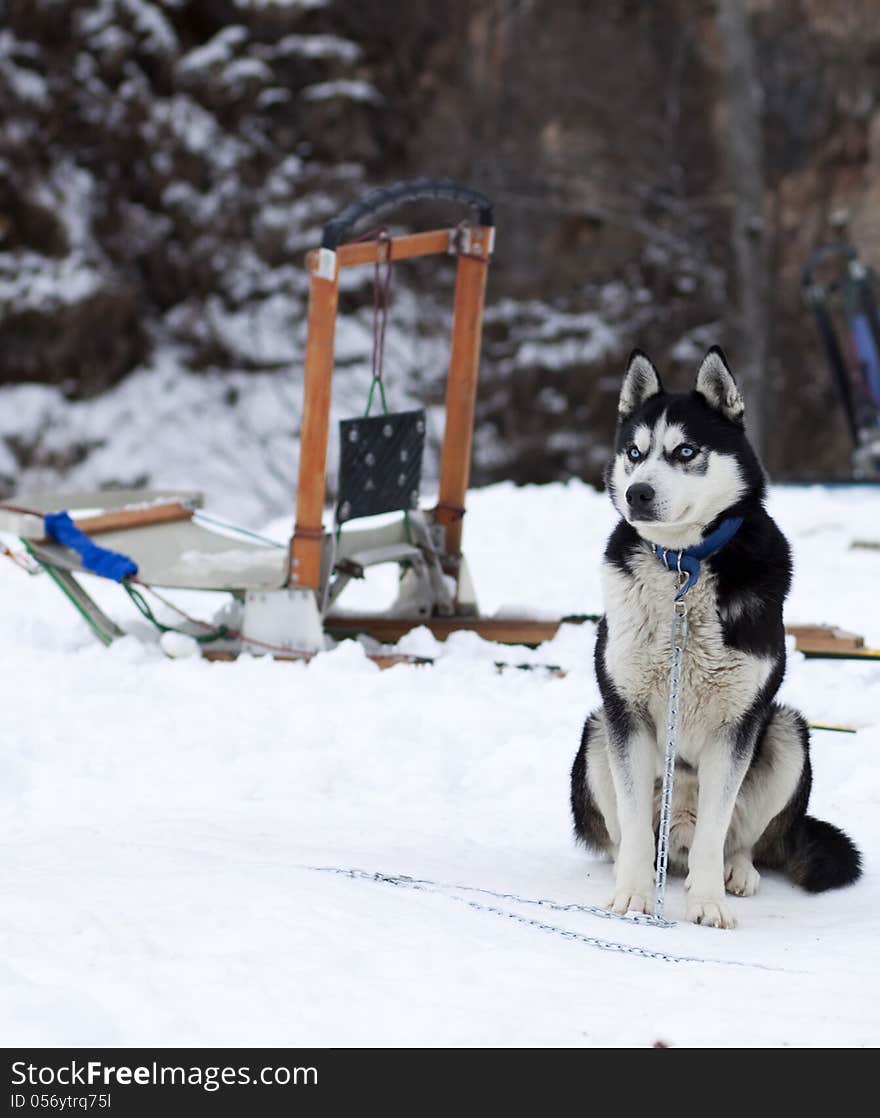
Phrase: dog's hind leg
(810, 852)
(776, 779)
(593, 804)
(740, 876)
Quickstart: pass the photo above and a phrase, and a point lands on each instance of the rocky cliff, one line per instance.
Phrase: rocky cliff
(164, 165)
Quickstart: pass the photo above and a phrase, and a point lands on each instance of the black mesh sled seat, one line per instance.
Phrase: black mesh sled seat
(380, 464)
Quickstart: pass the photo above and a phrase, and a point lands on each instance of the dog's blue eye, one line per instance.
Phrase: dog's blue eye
(685, 452)
(633, 453)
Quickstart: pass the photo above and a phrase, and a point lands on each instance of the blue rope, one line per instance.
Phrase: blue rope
(99, 560)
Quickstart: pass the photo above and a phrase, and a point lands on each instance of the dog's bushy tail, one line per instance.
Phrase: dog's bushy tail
(821, 856)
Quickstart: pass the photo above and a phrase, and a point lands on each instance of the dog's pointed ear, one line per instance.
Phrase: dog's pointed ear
(640, 382)
(716, 385)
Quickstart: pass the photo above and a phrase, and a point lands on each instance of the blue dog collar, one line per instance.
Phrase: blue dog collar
(689, 558)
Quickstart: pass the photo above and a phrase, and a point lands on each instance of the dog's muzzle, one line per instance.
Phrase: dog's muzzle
(640, 498)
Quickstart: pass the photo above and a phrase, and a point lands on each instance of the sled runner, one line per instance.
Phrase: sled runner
(839, 289)
(287, 597)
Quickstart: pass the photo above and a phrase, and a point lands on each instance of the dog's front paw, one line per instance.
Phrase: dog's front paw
(740, 876)
(631, 900)
(710, 913)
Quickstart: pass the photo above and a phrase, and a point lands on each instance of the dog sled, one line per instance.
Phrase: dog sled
(288, 599)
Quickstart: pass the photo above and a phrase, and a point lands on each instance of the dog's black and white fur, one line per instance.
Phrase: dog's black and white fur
(682, 465)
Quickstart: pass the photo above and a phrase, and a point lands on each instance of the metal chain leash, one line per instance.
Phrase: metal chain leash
(449, 890)
(679, 639)
(426, 883)
(657, 919)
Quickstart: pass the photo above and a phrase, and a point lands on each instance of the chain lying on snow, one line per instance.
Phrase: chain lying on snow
(449, 890)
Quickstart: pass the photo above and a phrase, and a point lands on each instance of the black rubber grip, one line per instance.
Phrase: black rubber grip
(414, 190)
(839, 248)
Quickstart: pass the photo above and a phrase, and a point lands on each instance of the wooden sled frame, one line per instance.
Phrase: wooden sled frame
(472, 245)
(290, 608)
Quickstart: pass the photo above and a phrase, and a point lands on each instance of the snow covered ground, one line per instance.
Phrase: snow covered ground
(159, 819)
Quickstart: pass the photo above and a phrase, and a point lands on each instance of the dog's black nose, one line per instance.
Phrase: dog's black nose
(640, 495)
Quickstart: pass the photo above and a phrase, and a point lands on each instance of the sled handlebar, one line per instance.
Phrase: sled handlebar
(837, 248)
(414, 190)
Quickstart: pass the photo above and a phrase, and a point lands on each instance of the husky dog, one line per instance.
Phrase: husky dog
(686, 482)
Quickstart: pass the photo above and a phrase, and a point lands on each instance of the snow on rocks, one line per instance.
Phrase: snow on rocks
(346, 88)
